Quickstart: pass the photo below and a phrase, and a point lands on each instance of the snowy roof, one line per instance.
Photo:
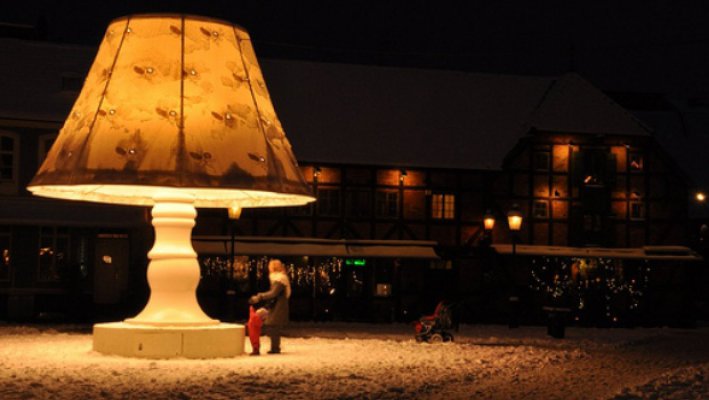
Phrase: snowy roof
(393, 116)
(287, 246)
(669, 253)
(358, 114)
(571, 104)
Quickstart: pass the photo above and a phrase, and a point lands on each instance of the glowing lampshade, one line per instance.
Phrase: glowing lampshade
(175, 114)
(488, 221)
(173, 102)
(514, 218)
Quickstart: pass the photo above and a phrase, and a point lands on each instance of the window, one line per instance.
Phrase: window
(637, 210)
(45, 143)
(358, 203)
(636, 162)
(8, 156)
(542, 161)
(329, 202)
(5, 259)
(387, 204)
(540, 209)
(53, 254)
(443, 206)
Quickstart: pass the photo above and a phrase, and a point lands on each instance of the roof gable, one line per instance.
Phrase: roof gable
(573, 105)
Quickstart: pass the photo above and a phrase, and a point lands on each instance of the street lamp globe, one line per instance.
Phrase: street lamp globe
(514, 218)
(488, 221)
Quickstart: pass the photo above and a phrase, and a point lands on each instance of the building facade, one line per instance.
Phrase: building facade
(398, 222)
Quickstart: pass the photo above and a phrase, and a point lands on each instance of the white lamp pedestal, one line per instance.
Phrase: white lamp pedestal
(172, 324)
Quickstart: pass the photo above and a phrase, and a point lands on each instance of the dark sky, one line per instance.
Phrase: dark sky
(625, 45)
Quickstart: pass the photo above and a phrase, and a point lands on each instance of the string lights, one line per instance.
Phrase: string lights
(592, 286)
(323, 274)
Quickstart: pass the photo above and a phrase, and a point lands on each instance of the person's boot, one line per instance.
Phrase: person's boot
(255, 352)
(274, 351)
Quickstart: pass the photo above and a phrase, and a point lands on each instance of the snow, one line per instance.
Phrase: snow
(357, 361)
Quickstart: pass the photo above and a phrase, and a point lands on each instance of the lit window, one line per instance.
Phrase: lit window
(45, 143)
(542, 161)
(637, 210)
(329, 202)
(443, 206)
(387, 204)
(636, 162)
(53, 254)
(541, 209)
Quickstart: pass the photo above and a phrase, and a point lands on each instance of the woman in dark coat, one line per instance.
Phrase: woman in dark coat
(274, 310)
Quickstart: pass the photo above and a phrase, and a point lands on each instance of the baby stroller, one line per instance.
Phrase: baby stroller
(432, 328)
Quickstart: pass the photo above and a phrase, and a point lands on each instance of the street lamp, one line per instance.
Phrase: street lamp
(234, 214)
(514, 220)
(488, 221)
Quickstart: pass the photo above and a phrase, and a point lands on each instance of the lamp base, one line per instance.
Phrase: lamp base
(145, 341)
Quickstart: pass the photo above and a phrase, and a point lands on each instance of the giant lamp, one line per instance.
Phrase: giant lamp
(174, 114)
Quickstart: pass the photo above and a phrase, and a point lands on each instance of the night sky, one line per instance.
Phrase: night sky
(652, 46)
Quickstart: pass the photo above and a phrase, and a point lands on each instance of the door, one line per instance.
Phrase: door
(111, 269)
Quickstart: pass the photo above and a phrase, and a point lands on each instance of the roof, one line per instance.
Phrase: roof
(571, 104)
(355, 114)
(658, 253)
(284, 246)
(392, 116)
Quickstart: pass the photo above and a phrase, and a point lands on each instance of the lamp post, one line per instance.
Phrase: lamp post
(514, 221)
(488, 225)
(234, 214)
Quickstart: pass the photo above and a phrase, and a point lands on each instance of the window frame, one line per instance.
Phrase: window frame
(641, 157)
(545, 203)
(641, 214)
(57, 233)
(9, 186)
(447, 203)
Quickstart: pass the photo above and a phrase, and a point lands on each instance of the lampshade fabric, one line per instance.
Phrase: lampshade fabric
(173, 102)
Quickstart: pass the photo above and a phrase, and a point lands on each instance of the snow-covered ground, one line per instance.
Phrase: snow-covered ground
(354, 361)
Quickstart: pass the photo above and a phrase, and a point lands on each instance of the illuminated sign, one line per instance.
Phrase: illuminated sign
(360, 262)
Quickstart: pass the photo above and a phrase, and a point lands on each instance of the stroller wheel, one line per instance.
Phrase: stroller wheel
(435, 338)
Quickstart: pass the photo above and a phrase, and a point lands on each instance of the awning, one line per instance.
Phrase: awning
(282, 246)
(676, 253)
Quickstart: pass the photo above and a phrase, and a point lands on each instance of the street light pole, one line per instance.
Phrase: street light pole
(514, 221)
(234, 215)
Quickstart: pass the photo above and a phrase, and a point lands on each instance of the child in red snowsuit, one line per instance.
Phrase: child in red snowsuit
(256, 318)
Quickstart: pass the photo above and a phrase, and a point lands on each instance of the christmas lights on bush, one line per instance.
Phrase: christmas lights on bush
(580, 281)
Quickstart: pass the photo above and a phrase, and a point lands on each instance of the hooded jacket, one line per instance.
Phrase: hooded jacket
(280, 291)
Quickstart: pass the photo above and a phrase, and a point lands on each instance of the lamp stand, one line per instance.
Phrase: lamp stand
(172, 324)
